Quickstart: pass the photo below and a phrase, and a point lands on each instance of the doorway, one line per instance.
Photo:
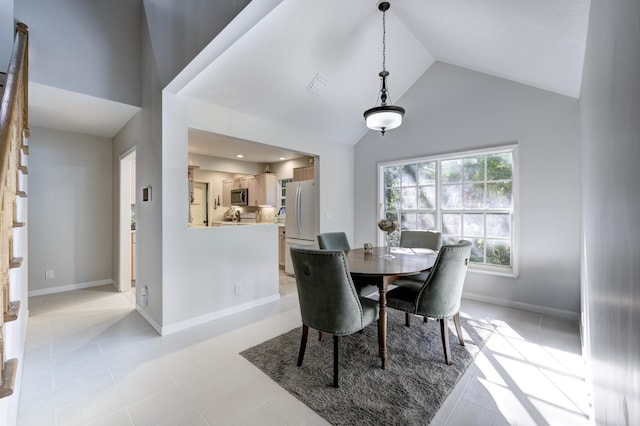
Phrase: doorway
(127, 227)
(200, 205)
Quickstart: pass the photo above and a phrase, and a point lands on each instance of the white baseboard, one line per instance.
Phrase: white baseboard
(69, 287)
(525, 306)
(150, 320)
(183, 325)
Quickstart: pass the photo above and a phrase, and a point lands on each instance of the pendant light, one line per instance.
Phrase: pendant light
(385, 116)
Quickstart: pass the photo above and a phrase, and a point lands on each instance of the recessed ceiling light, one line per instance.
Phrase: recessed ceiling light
(282, 158)
(239, 156)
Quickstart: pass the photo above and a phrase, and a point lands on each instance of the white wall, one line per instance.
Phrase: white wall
(451, 109)
(610, 112)
(214, 179)
(200, 266)
(89, 47)
(70, 210)
(7, 31)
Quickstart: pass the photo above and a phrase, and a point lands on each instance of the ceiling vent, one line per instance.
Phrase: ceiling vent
(317, 85)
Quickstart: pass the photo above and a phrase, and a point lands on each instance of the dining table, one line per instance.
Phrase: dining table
(374, 267)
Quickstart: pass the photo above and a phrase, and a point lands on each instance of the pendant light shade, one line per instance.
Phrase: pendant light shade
(384, 116)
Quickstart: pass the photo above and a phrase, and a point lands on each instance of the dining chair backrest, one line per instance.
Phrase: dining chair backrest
(328, 299)
(421, 239)
(333, 241)
(441, 293)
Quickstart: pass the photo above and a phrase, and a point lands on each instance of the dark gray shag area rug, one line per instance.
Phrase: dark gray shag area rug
(409, 392)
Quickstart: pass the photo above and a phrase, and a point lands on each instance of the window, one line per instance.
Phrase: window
(282, 185)
(465, 196)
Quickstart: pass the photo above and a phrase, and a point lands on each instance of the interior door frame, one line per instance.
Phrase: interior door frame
(127, 168)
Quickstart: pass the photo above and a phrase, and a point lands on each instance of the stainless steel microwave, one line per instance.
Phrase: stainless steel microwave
(240, 197)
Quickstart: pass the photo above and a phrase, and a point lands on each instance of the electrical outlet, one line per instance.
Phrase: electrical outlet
(237, 289)
(49, 274)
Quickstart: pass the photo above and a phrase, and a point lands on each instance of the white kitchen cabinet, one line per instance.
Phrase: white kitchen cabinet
(262, 188)
(245, 182)
(227, 185)
(266, 190)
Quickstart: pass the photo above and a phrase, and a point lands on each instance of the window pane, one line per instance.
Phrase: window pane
(474, 196)
(391, 176)
(499, 166)
(451, 196)
(450, 239)
(426, 221)
(498, 225)
(427, 197)
(409, 174)
(451, 171)
(499, 252)
(499, 195)
(409, 198)
(392, 197)
(474, 169)
(473, 225)
(427, 173)
(477, 250)
(408, 221)
(452, 224)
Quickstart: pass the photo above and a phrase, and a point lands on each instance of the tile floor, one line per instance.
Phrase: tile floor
(92, 360)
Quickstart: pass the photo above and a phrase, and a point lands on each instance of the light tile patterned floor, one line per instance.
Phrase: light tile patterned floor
(92, 360)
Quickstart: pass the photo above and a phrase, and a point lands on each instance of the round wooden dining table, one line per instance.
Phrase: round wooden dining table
(373, 267)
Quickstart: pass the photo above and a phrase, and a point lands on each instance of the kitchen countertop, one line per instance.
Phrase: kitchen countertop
(213, 224)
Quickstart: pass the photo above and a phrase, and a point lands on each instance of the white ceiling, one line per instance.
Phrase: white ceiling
(211, 144)
(265, 70)
(60, 109)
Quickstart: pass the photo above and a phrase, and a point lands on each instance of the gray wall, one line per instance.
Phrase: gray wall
(610, 116)
(69, 209)
(89, 47)
(180, 30)
(451, 109)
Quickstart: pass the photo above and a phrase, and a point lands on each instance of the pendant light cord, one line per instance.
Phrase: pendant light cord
(384, 36)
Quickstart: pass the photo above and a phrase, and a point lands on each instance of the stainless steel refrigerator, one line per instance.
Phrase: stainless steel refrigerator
(301, 224)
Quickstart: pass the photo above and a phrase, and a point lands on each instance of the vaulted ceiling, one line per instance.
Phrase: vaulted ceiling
(313, 65)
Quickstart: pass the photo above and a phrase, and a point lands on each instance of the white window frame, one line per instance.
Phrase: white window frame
(473, 267)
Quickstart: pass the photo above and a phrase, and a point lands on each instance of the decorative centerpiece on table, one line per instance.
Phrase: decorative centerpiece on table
(388, 224)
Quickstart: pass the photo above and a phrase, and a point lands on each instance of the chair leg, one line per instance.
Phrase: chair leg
(426, 320)
(303, 343)
(335, 361)
(456, 321)
(320, 336)
(407, 319)
(444, 330)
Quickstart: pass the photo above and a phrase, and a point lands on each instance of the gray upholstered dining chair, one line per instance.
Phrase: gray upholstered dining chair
(419, 239)
(440, 295)
(328, 299)
(339, 241)
(333, 241)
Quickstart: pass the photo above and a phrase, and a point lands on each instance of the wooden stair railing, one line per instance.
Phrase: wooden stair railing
(14, 130)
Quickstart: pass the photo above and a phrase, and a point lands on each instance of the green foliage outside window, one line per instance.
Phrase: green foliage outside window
(465, 198)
